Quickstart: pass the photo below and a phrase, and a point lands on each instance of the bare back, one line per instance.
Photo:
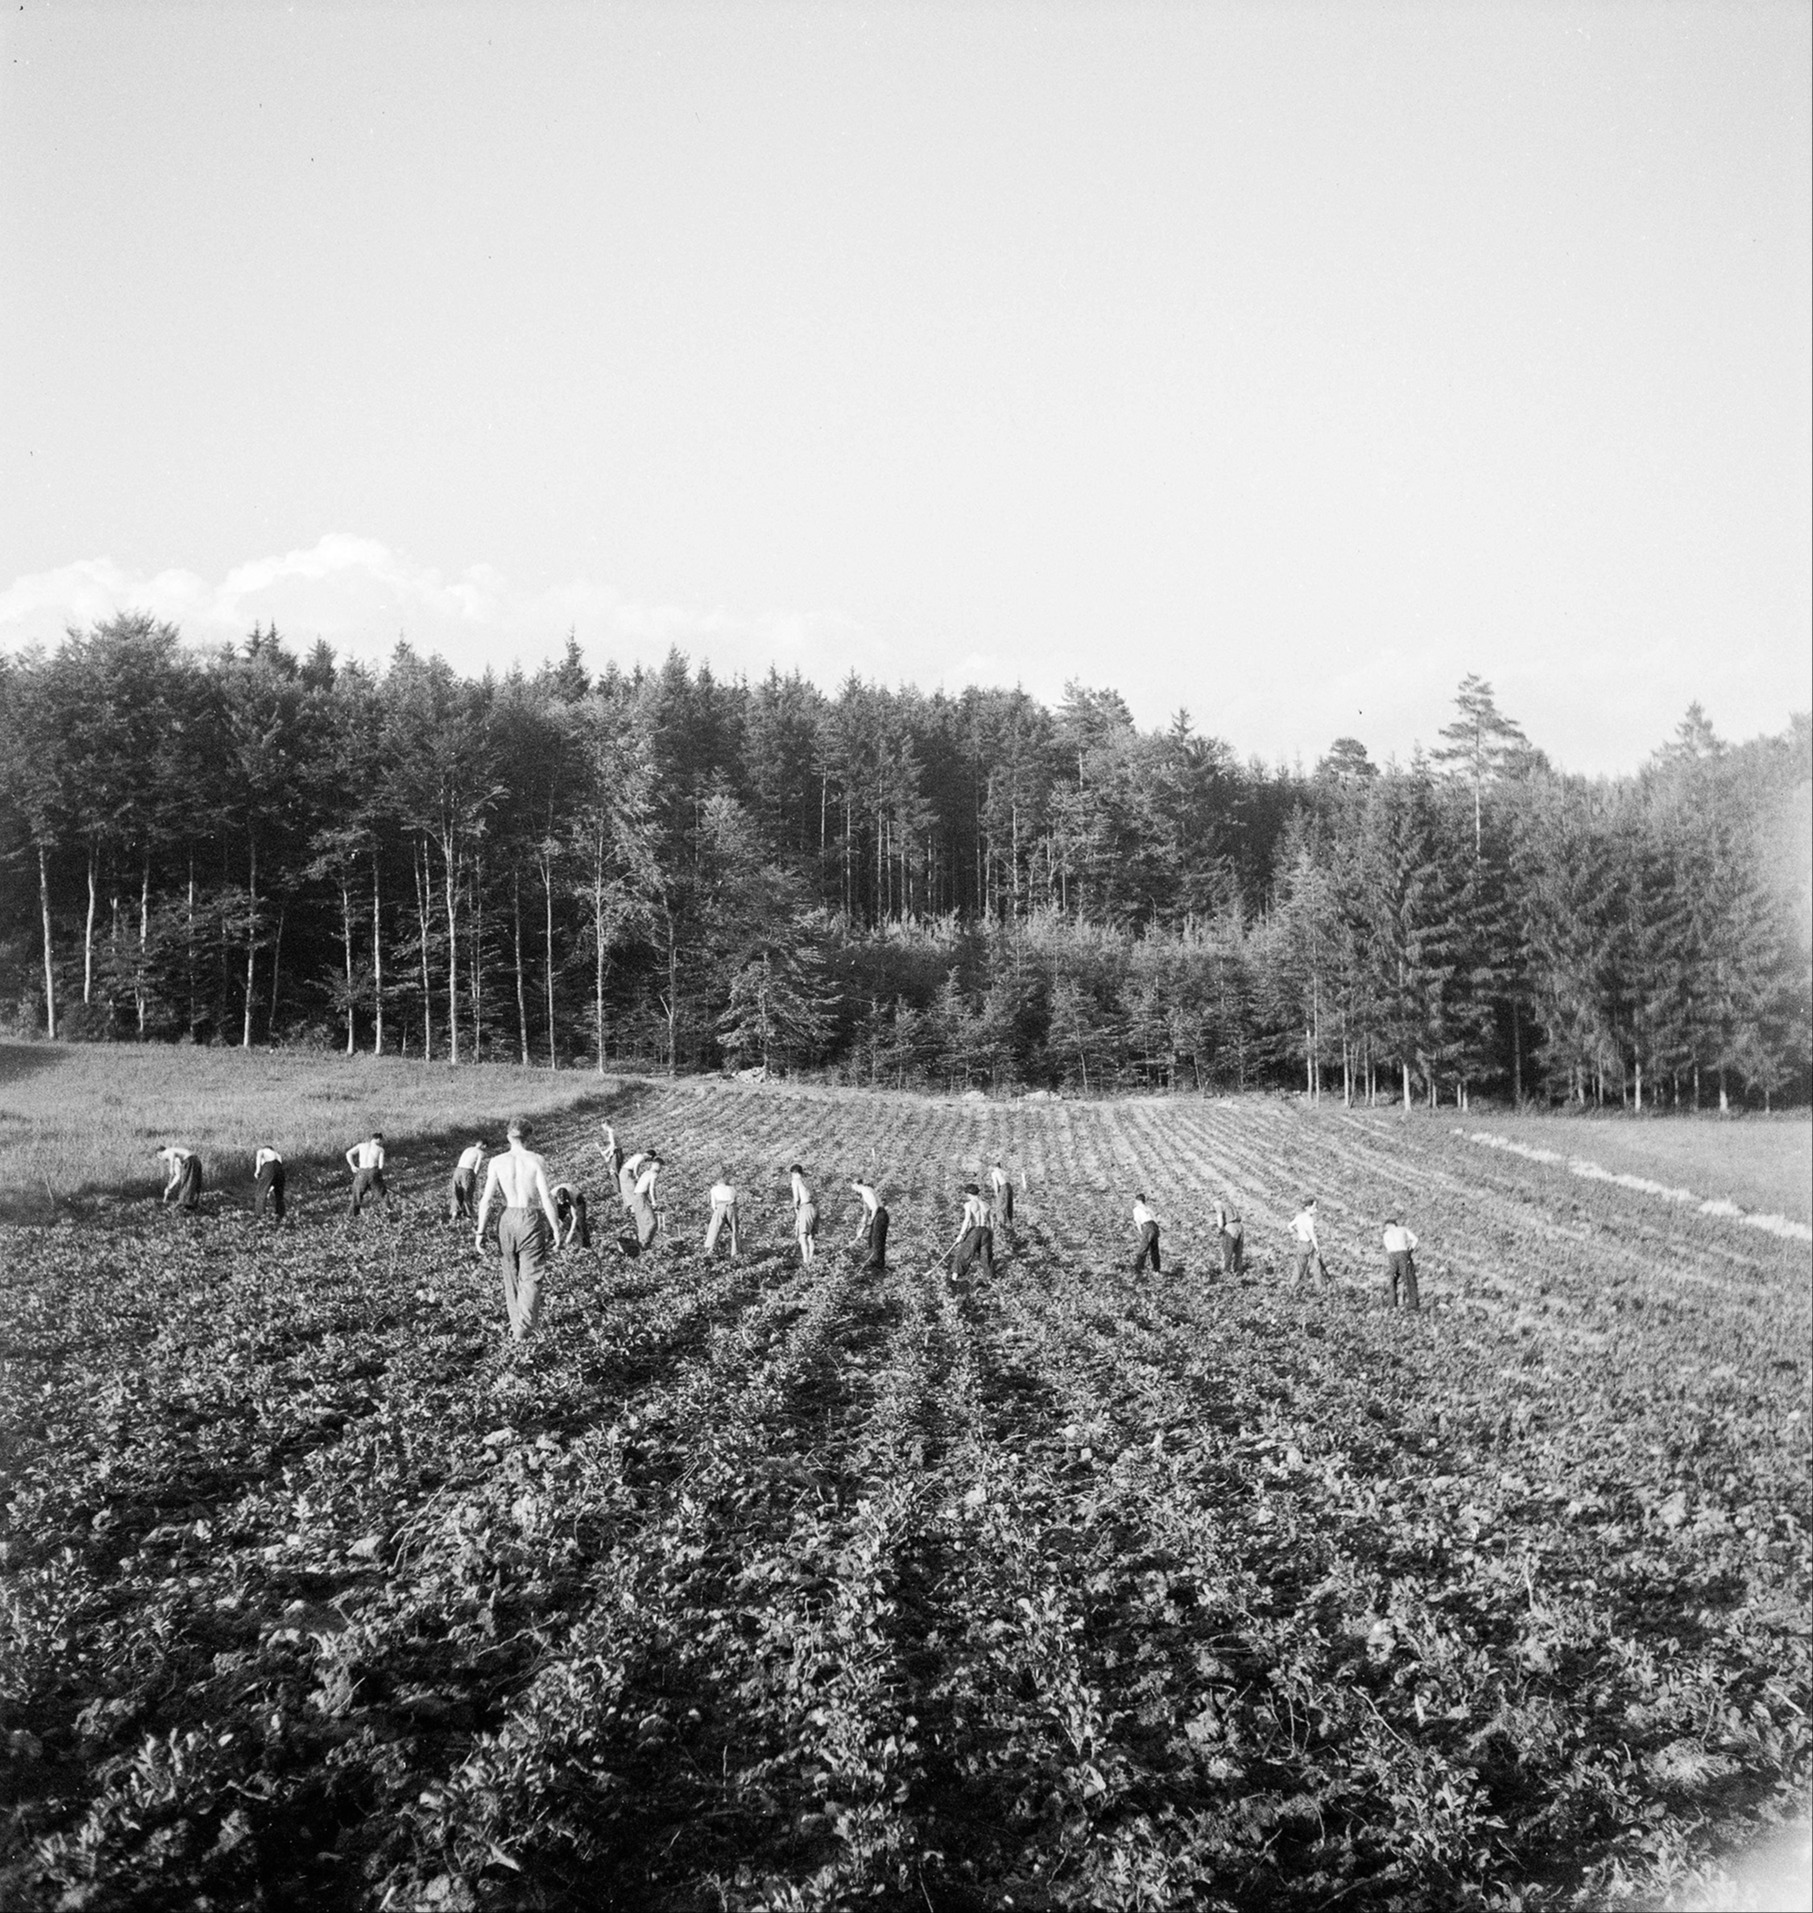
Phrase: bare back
(521, 1179)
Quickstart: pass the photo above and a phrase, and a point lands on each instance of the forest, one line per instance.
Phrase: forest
(662, 870)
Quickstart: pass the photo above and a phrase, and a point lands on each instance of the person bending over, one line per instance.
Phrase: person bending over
(723, 1211)
(873, 1234)
(183, 1167)
(975, 1238)
(519, 1180)
(1147, 1225)
(267, 1180)
(366, 1161)
(645, 1217)
(462, 1192)
(570, 1225)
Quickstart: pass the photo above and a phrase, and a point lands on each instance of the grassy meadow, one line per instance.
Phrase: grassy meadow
(81, 1123)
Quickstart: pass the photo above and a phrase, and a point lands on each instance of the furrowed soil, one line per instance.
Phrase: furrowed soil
(749, 1585)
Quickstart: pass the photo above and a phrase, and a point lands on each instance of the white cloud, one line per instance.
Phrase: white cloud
(360, 595)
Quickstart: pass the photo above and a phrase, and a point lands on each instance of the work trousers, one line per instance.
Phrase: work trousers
(582, 1229)
(721, 1213)
(522, 1239)
(805, 1226)
(367, 1182)
(1148, 1249)
(875, 1239)
(976, 1246)
(460, 1194)
(1310, 1258)
(269, 1184)
(187, 1193)
(1233, 1252)
(643, 1221)
(1004, 1209)
(1400, 1279)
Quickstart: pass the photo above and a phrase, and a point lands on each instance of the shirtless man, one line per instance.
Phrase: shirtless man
(610, 1150)
(723, 1210)
(184, 1169)
(975, 1238)
(805, 1215)
(873, 1234)
(524, 1230)
(1147, 1225)
(267, 1179)
(462, 1192)
(366, 1161)
(570, 1224)
(1309, 1246)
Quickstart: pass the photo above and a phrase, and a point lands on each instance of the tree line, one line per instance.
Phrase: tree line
(663, 869)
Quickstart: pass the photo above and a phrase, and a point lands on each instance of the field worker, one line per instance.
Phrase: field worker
(570, 1225)
(462, 1193)
(723, 1210)
(1147, 1225)
(628, 1168)
(366, 1161)
(1002, 1188)
(805, 1215)
(610, 1151)
(524, 1230)
(1232, 1239)
(1400, 1264)
(644, 1217)
(873, 1234)
(1309, 1246)
(267, 1179)
(184, 1169)
(975, 1239)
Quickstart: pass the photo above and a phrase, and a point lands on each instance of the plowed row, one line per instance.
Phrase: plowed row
(751, 1586)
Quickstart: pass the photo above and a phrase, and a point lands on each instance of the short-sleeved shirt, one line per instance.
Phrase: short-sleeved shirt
(1303, 1227)
(1398, 1240)
(722, 1195)
(1142, 1215)
(264, 1156)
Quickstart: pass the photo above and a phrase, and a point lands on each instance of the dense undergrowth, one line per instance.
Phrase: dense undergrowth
(751, 1586)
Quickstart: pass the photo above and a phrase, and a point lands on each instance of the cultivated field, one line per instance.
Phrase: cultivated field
(745, 1586)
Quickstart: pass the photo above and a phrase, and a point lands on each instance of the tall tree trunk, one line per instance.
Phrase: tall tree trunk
(598, 956)
(424, 882)
(88, 934)
(377, 958)
(1406, 1068)
(1516, 1057)
(346, 931)
(191, 937)
(547, 884)
(476, 963)
(450, 861)
(245, 1041)
(144, 938)
(283, 910)
(50, 971)
(522, 999)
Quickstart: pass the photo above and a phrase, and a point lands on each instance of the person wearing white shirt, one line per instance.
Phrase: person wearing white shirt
(645, 1218)
(1147, 1225)
(608, 1149)
(1231, 1237)
(628, 1167)
(462, 1193)
(1309, 1246)
(1400, 1265)
(366, 1161)
(873, 1234)
(723, 1210)
(975, 1238)
(1002, 1194)
(524, 1230)
(805, 1215)
(267, 1179)
(184, 1169)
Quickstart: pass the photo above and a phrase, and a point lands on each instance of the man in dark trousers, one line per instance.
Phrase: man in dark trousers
(1400, 1265)
(267, 1179)
(1231, 1237)
(1147, 1225)
(570, 1224)
(184, 1168)
(873, 1234)
(366, 1161)
(975, 1238)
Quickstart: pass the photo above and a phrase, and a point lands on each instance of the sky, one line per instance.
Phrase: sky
(1284, 363)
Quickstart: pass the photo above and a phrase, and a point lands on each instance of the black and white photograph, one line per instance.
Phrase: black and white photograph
(906, 956)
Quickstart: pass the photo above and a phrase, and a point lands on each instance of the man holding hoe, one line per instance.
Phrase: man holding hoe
(525, 1230)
